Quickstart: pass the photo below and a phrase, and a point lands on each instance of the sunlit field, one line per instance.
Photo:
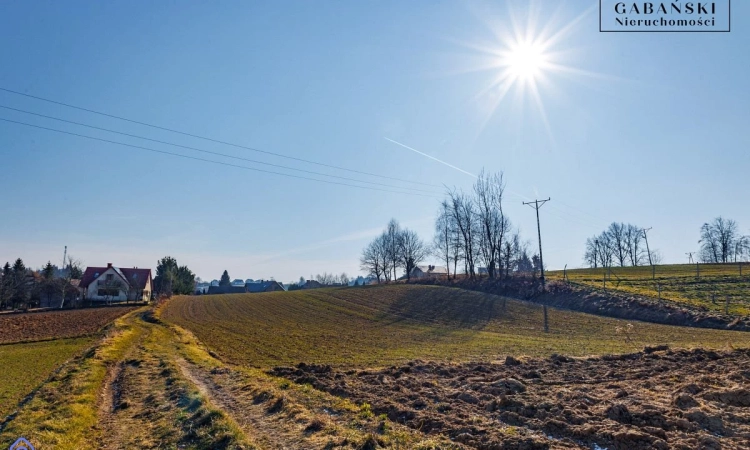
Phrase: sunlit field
(381, 325)
(713, 286)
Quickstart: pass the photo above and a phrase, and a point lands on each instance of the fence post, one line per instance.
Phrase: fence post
(653, 272)
(726, 306)
(546, 322)
(658, 286)
(604, 278)
(740, 263)
(697, 270)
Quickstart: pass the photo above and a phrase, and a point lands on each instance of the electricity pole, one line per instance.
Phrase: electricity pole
(645, 236)
(690, 257)
(65, 256)
(536, 204)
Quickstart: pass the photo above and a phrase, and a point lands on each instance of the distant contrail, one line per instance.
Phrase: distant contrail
(431, 157)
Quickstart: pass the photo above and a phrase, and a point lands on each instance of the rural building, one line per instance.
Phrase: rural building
(264, 286)
(231, 289)
(255, 286)
(202, 288)
(116, 284)
(429, 272)
(311, 284)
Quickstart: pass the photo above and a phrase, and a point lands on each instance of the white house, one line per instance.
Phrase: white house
(429, 272)
(202, 288)
(115, 284)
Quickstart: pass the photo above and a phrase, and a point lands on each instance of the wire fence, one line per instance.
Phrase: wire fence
(719, 287)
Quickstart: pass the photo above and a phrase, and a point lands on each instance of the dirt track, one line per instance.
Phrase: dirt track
(657, 398)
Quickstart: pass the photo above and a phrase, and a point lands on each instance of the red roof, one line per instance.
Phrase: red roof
(137, 278)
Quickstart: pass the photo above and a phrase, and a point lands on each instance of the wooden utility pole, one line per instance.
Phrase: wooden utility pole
(536, 204)
(648, 250)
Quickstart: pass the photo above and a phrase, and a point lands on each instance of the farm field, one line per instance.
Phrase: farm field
(657, 399)
(148, 385)
(398, 366)
(33, 345)
(706, 285)
(25, 366)
(27, 327)
(383, 325)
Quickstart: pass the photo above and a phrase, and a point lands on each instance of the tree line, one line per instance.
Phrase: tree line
(472, 231)
(721, 242)
(624, 244)
(23, 288)
(621, 244)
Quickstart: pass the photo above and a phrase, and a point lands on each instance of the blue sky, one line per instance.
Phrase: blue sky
(649, 128)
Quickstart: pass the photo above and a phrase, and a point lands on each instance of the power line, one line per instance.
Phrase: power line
(210, 139)
(210, 152)
(211, 161)
(648, 250)
(536, 204)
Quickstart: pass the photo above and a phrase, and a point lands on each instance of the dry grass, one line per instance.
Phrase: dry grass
(162, 409)
(712, 286)
(381, 325)
(23, 367)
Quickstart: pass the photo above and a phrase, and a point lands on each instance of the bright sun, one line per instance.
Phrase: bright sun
(525, 60)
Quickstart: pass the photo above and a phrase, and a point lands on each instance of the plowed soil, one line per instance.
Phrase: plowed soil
(41, 326)
(655, 399)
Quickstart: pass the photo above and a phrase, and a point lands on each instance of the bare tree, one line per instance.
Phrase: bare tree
(488, 191)
(464, 215)
(719, 240)
(441, 243)
(604, 249)
(633, 239)
(412, 250)
(68, 274)
(392, 237)
(375, 259)
(591, 256)
(369, 262)
(616, 232)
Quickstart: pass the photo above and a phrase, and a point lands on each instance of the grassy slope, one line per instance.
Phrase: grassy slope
(382, 325)
(26, 366)
(681, 283)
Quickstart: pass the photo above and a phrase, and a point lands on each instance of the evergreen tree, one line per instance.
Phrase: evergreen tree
(20, 289)
(48, 281)
(225, 280)
(6, 286)
(48, 272)
(166, 272)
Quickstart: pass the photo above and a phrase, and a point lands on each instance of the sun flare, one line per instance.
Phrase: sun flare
(525, 60)
(526, 56)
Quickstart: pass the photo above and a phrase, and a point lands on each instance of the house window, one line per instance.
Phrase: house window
(108, 292)
(109, 277)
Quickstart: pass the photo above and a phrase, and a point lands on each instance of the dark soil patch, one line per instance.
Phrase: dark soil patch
(685, 399)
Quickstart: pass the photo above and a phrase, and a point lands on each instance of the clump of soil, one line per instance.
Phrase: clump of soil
(656, 399)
